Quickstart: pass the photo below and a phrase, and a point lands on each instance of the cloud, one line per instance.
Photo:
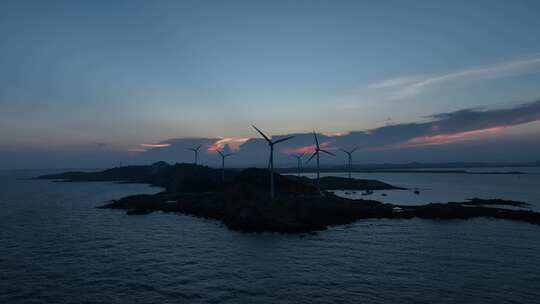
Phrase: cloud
(309, 149)
(479, 118)
(163, 145)
(443, 130)
(447, 128)
(233, 143)
(477, 134)
(441, 139)
(404, 87)
(396, 82)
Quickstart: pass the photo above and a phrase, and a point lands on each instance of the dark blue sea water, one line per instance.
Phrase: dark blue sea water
(456, 187)
(56, 247)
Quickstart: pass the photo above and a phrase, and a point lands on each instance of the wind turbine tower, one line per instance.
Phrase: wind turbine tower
(271, 161)
(349, 158)
(316, 153)
(223, 156)
(299, 159)
(196, 151)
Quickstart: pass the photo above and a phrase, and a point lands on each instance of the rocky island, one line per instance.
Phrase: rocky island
(241, 201)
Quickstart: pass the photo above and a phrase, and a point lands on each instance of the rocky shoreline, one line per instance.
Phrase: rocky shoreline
(242, 203)
(309, 212)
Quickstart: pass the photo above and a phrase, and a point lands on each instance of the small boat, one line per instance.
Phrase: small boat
(416, 191)
(397, 209)
(384, 194)
(367, 192)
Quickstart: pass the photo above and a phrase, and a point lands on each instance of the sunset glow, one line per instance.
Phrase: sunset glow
(233, 142)
(155, 145)
(305, 149)
(330, 134)
(442, 139)
(192, 73)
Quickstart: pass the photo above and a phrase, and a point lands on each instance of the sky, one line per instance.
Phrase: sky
(98, 83)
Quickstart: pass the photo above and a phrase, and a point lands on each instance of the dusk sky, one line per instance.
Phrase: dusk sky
(95, 83)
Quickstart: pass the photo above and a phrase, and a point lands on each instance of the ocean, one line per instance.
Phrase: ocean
(455, 187)
(56, 247)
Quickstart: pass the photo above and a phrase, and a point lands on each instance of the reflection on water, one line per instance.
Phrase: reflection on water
(57, 248)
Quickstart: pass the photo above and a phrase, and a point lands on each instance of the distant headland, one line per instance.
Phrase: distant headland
(239, 198)
(418, 167)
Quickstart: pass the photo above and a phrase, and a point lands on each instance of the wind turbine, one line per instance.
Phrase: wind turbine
(349, 154)
(316, 153)
(223, 156)
(271, 161)
(196, 151)
(299, 159)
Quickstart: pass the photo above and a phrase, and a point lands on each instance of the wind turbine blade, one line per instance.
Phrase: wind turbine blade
(283, 139)
(228, 154)
(312, 156)
(198, 147)
(260, 132)
(355, 148)
(191, 149)
(327, 152)
(316, 140)
(344, 151)
(220, 153)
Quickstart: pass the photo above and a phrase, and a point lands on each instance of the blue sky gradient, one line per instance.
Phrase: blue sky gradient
(115, 74)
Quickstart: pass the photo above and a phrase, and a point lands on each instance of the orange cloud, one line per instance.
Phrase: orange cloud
(155, 145)
(336, 134)
(305, 149)
(441, 139)
(233, 142)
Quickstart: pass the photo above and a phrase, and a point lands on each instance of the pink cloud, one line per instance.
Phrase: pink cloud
(233, 142)
(441, 139)
(305, 149)
(155, 145)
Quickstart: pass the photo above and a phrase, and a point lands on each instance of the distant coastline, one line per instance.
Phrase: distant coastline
(411, 167)
(307, 170)
(416, 167)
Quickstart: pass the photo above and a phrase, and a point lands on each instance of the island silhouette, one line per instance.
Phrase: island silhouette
(240, 198)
